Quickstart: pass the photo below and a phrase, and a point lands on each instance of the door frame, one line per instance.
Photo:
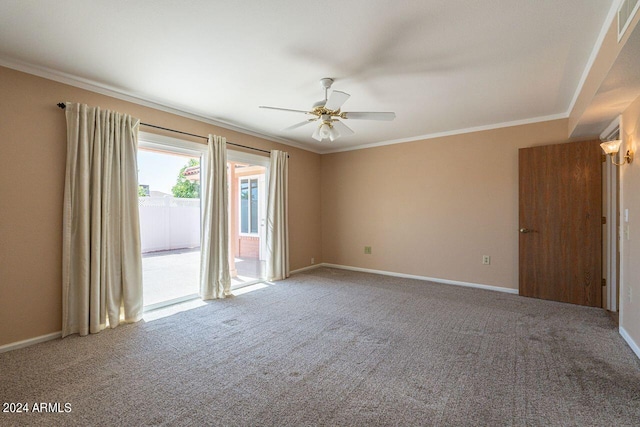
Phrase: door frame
(611, 266)
(258, 160)
(612, 231)
(154, 141)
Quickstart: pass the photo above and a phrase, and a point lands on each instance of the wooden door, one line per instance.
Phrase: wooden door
(561, 222)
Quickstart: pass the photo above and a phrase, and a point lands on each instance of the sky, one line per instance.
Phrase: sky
(159, 170)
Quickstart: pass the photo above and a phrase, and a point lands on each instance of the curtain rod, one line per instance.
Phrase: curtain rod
(63, 106)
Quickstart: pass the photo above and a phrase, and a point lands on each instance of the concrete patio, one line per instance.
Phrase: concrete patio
(175, 274)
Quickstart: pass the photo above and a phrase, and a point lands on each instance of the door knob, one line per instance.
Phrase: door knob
(526, 230)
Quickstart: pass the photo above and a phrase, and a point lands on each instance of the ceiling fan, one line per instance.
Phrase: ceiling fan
(328, 113)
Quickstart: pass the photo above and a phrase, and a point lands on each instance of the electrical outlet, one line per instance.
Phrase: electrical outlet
(367, 250)
(313, 260)
(486, 259)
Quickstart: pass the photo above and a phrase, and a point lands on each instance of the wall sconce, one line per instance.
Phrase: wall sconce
(612, 147)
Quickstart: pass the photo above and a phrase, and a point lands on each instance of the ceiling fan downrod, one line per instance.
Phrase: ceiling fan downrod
(326, 84)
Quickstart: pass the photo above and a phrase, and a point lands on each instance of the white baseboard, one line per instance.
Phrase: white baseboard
(634, 346)
(30, 341)
(430, 279)
(311, 267)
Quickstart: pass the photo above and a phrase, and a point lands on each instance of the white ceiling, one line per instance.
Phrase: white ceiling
(443, 66)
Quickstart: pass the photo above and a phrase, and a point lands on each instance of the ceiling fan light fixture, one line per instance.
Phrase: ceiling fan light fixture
(325, 130)
(316, 134)
(333, 133)
(327, 113)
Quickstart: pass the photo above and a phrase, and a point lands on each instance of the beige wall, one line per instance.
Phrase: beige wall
(433, 207)
(32, 163)
(630, 248)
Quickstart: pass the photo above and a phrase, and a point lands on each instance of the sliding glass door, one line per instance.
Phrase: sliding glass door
(169, 173)
(247, 212)
(170, 218)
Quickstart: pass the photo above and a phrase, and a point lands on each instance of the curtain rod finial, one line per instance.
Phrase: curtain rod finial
(62, 105)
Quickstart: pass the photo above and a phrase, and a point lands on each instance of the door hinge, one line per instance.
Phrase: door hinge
(604, 220)
(604, 282)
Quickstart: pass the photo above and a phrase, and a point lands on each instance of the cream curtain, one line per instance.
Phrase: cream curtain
(277, 217)
(215, 280)
(102, 263)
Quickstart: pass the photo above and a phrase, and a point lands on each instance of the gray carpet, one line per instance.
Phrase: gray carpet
(333, 347)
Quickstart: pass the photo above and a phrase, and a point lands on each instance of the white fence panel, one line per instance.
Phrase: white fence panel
(168, 223)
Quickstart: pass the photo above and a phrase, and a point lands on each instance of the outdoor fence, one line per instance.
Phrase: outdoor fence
(168, 223)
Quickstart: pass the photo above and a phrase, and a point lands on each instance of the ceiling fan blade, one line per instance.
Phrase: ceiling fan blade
(297, 125)
(386, 116)
(284, 109)
(342, 128)
(336, 99)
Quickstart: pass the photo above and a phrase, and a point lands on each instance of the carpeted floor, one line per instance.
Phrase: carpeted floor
(334, 347)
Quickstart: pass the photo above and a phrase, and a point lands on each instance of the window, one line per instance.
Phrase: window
(249, 211)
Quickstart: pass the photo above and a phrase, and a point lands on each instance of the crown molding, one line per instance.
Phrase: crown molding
(111, 91)
(451, 133)
(117, 93)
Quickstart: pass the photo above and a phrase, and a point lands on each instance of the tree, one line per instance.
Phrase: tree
(184, 188)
